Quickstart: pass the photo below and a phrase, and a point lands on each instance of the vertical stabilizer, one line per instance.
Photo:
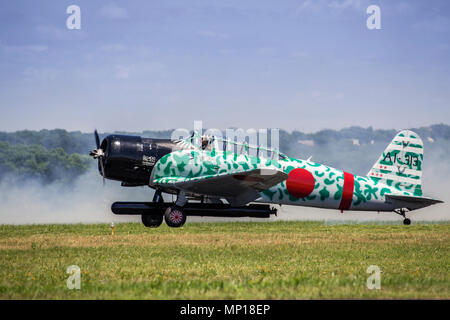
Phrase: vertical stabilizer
(400, 165)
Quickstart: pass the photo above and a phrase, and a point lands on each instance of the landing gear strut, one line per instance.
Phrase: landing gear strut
(402, 212)
(154, 220)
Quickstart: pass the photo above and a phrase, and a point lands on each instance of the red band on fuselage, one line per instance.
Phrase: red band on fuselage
(347, 192)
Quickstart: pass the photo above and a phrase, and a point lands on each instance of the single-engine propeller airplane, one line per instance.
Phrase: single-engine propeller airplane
(221, 182)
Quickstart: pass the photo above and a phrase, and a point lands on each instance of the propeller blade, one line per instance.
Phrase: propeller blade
(102, 168)
(99, 154)
(97, 139)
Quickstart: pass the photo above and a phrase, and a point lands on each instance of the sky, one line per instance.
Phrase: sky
(154, 65)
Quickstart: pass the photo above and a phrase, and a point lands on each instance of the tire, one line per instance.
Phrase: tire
(152, 220)
(406, 222)
(175, 217)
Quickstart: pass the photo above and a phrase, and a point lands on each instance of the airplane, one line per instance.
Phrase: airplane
(206, 180)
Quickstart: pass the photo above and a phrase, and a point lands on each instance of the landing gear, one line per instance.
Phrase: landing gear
(402, 212)
(152, 220)
(175, 216)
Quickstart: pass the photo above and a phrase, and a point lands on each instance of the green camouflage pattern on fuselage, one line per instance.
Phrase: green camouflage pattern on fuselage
(368, 191)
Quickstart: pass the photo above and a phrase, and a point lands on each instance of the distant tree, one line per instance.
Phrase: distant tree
(34, 161)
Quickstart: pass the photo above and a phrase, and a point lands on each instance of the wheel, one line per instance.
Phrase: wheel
(175, 217)
(152, 220)
(406, 222)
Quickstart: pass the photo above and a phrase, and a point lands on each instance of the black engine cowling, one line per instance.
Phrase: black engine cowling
(130, 159)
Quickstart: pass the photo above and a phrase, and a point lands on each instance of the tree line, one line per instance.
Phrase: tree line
(21, 162)
(60, 155)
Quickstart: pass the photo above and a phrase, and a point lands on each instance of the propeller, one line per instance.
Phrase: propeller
(97, 139)
(99, 154)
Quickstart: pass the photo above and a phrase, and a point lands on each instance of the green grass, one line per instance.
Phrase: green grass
(268, 260)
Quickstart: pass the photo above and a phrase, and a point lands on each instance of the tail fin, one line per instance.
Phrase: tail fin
(400, 165)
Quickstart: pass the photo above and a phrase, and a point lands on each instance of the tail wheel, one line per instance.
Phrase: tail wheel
(152, 220)
(175, 217)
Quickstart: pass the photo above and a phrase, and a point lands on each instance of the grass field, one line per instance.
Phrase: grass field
(268, 260)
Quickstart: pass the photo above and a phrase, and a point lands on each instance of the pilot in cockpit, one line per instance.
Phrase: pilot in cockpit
(206, 144)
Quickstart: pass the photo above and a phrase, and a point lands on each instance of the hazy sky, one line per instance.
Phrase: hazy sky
(150, 65)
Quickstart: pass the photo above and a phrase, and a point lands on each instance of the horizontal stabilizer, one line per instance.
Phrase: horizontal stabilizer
(410, 202)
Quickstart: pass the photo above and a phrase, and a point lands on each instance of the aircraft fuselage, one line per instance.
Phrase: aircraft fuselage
(309, 184)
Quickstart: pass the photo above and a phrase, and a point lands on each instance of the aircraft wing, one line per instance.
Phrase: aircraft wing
(411, 202)
(237, 187)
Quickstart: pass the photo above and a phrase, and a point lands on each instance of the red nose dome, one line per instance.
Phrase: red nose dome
(300, 183)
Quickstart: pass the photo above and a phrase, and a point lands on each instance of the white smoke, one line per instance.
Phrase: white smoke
(87, 201)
